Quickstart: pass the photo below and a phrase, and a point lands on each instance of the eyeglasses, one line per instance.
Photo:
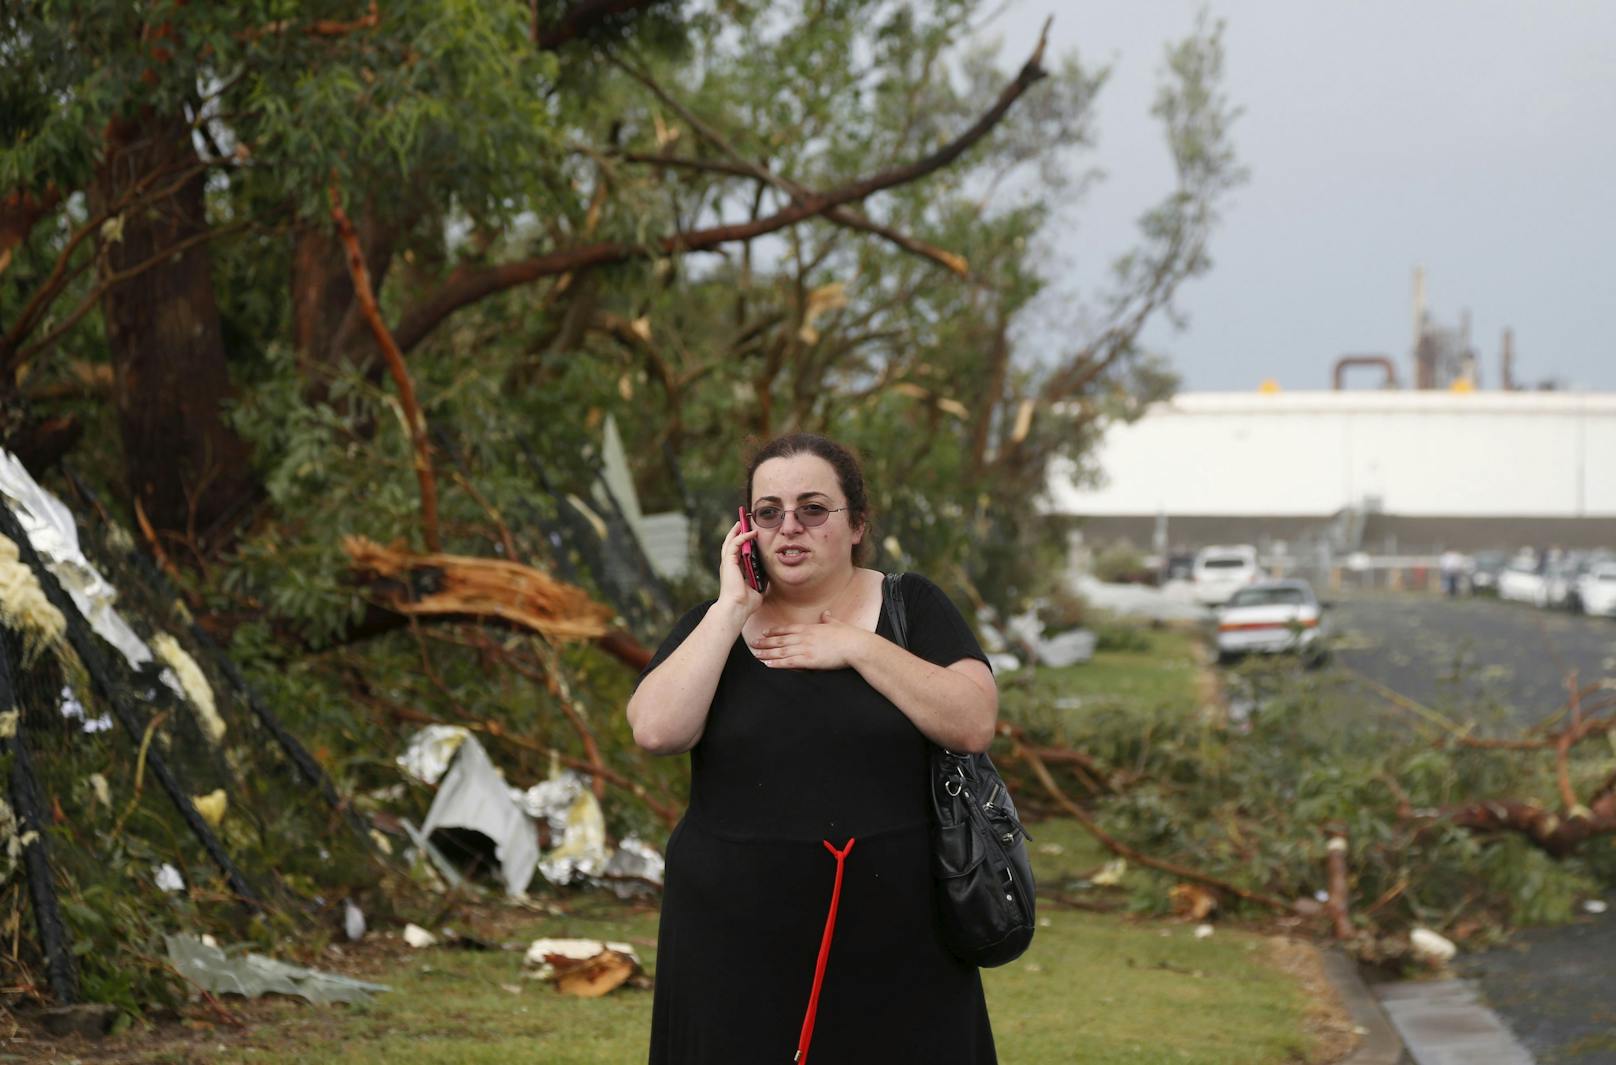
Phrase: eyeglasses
(809, 514)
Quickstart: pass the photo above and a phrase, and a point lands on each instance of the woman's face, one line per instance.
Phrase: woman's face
(794, 554)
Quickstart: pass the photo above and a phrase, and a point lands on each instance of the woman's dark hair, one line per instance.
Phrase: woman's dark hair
(849, 476)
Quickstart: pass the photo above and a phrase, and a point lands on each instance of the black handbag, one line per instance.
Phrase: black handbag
(981, 874)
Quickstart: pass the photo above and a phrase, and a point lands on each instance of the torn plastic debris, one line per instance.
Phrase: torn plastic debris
(575, 818)
(635, 868)
(50, 528)
(252, 975)
(431, 750)
(472, 795)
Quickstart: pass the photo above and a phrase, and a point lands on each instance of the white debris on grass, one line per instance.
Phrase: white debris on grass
(473, 795)
(1111, 873)
(1137, 600)
(353, 920)
(1062, 649)
(1203, 931)
(418, 937)
(1594, 906)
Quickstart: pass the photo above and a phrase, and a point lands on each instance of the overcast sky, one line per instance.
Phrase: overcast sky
(1474, 137)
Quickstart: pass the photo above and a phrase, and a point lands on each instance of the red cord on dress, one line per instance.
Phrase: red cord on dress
(801, 1057)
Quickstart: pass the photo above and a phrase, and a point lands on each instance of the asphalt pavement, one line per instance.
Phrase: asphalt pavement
(1474, 655)
(1505, 664)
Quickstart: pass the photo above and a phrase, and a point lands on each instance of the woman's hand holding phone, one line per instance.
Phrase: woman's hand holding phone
(732, 583)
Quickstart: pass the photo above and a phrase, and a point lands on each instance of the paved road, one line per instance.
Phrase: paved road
(1493, 660)
(1506, 663)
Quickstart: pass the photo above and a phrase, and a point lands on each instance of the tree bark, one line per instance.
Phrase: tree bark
(184, 465)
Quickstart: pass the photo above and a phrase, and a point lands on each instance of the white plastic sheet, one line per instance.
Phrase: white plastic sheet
(50, 528)
(473, 795)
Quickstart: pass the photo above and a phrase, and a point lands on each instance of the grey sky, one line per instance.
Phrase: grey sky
(1474, 137)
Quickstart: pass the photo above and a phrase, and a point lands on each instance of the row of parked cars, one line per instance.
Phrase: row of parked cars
(1582, 582)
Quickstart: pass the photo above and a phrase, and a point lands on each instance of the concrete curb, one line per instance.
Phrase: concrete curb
(1381, 1045)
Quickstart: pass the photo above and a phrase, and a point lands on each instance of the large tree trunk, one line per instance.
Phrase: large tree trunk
(187, 469)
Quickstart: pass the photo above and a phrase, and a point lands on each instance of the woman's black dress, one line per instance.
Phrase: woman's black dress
(789, 760)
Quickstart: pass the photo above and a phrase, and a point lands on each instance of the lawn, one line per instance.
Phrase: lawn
(1095, 987)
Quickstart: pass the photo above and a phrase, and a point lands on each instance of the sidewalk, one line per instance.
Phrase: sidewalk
(1422, 1022)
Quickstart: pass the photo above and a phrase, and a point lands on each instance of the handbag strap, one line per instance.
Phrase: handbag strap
(892, 604)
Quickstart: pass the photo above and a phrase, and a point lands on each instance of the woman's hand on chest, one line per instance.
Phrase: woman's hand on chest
(829, 643)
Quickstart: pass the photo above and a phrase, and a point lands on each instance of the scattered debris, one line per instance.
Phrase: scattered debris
(1137, 600)
(587, 968)
(353, 921)
(1192, 901)
(211, 806)
(430, 751)
(418, 937)
(473, 795)
(51, 531)
(635, 868)
(1062, 649)
(252, 975)
(1111, 873)
(1433, 949)
(1595, 906)
(574, 816)
(168, 878)
(1203, 931)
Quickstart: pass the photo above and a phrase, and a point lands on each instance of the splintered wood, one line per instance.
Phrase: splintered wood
(438, 584)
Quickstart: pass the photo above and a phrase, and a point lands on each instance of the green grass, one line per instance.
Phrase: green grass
(1095, 988)
(1162, 676)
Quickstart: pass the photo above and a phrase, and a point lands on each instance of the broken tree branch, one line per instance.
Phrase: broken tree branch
(366, 296)
(458, 585)
(1122, 850)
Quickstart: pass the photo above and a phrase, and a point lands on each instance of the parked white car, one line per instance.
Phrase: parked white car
(1597, 589)
(1522, 580)
(1269, 617)
(1222, 571)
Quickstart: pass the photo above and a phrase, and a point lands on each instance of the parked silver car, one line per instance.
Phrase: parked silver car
(1272, 616)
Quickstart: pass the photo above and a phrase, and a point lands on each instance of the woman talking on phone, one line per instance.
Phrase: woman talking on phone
(798, 910)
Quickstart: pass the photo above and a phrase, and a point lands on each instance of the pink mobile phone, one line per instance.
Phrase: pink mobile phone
(750, 567)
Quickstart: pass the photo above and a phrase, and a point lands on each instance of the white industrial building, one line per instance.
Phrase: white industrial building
(1413, 470)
